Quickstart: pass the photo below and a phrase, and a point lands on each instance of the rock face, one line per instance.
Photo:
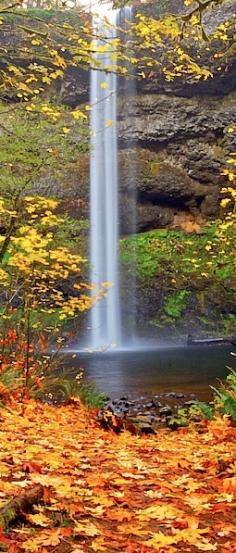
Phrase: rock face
(157, 120)
(178, 158)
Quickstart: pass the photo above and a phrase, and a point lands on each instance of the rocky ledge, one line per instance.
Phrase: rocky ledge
(144, 415)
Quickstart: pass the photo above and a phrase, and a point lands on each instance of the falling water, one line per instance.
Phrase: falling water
(105, 315)
(128, 274)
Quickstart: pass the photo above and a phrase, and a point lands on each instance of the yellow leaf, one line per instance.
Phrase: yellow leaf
(158, 512)
(48, 537)
(104, 85)
(46, 80)
(35, 42)
(225, 202)
(99, 545)
(160, 540)
(86, 528)
(78, 114)
(39, 519)
(30, 545)
(65, 130)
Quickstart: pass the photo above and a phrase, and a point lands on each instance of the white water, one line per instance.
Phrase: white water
(104, 220)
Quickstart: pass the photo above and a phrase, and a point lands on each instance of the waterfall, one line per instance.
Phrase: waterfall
(104, 221)
(128, 275)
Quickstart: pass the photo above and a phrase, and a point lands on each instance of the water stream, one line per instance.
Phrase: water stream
(104, 220)
(106, 324)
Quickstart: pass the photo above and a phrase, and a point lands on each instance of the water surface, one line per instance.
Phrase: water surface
(189, 369)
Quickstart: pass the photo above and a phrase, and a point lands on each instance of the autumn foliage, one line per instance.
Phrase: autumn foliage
(34, 305)
(107, 492)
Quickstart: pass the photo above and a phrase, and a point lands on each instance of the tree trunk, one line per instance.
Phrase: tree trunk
(20, 504)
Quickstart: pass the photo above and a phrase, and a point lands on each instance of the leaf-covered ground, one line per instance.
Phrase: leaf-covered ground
(116, 493)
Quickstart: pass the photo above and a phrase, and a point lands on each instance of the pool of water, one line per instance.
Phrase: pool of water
(190, 369)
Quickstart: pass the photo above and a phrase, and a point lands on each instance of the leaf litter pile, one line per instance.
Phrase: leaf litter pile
(67, 485)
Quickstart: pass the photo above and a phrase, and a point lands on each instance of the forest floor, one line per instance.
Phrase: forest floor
(69, 486)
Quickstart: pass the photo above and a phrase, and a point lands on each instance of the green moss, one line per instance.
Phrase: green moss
(175, 304)
(187, 276)
(181, 255)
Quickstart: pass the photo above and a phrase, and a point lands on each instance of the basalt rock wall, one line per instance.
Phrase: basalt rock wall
(172, 153)
(178, 155)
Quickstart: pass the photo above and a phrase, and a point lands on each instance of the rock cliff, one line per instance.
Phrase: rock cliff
(178, 157)
(171, 157)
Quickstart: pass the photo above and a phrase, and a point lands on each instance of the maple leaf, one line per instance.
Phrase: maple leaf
(39, 519)
(86, 528)
(199, 501)
(194, 536)
(14, 547)
(3, 538)
(103, 500)
(134, 476)
(99, 544)
(96, 511)
(160, 540)
(30, 545)
(159, 512)
(30, 466)
(132, 529)
(120, 514)
(48, 537)
(229, 484)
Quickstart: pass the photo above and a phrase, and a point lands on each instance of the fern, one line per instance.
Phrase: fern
(205, 410)
(225, 397)
(230, 407)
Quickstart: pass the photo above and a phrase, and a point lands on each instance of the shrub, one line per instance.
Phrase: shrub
(65, 389)
(224, 400)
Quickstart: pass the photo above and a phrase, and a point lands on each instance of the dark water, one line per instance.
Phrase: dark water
(189, 369)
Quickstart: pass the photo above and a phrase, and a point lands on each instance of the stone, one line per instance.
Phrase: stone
(165, 411)
(173, 424)
(144, 427)
(148, 429)
(142, 417)
(158, 404)
(110, 406)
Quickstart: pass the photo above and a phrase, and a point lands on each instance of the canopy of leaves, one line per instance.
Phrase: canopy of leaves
(42, 45)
